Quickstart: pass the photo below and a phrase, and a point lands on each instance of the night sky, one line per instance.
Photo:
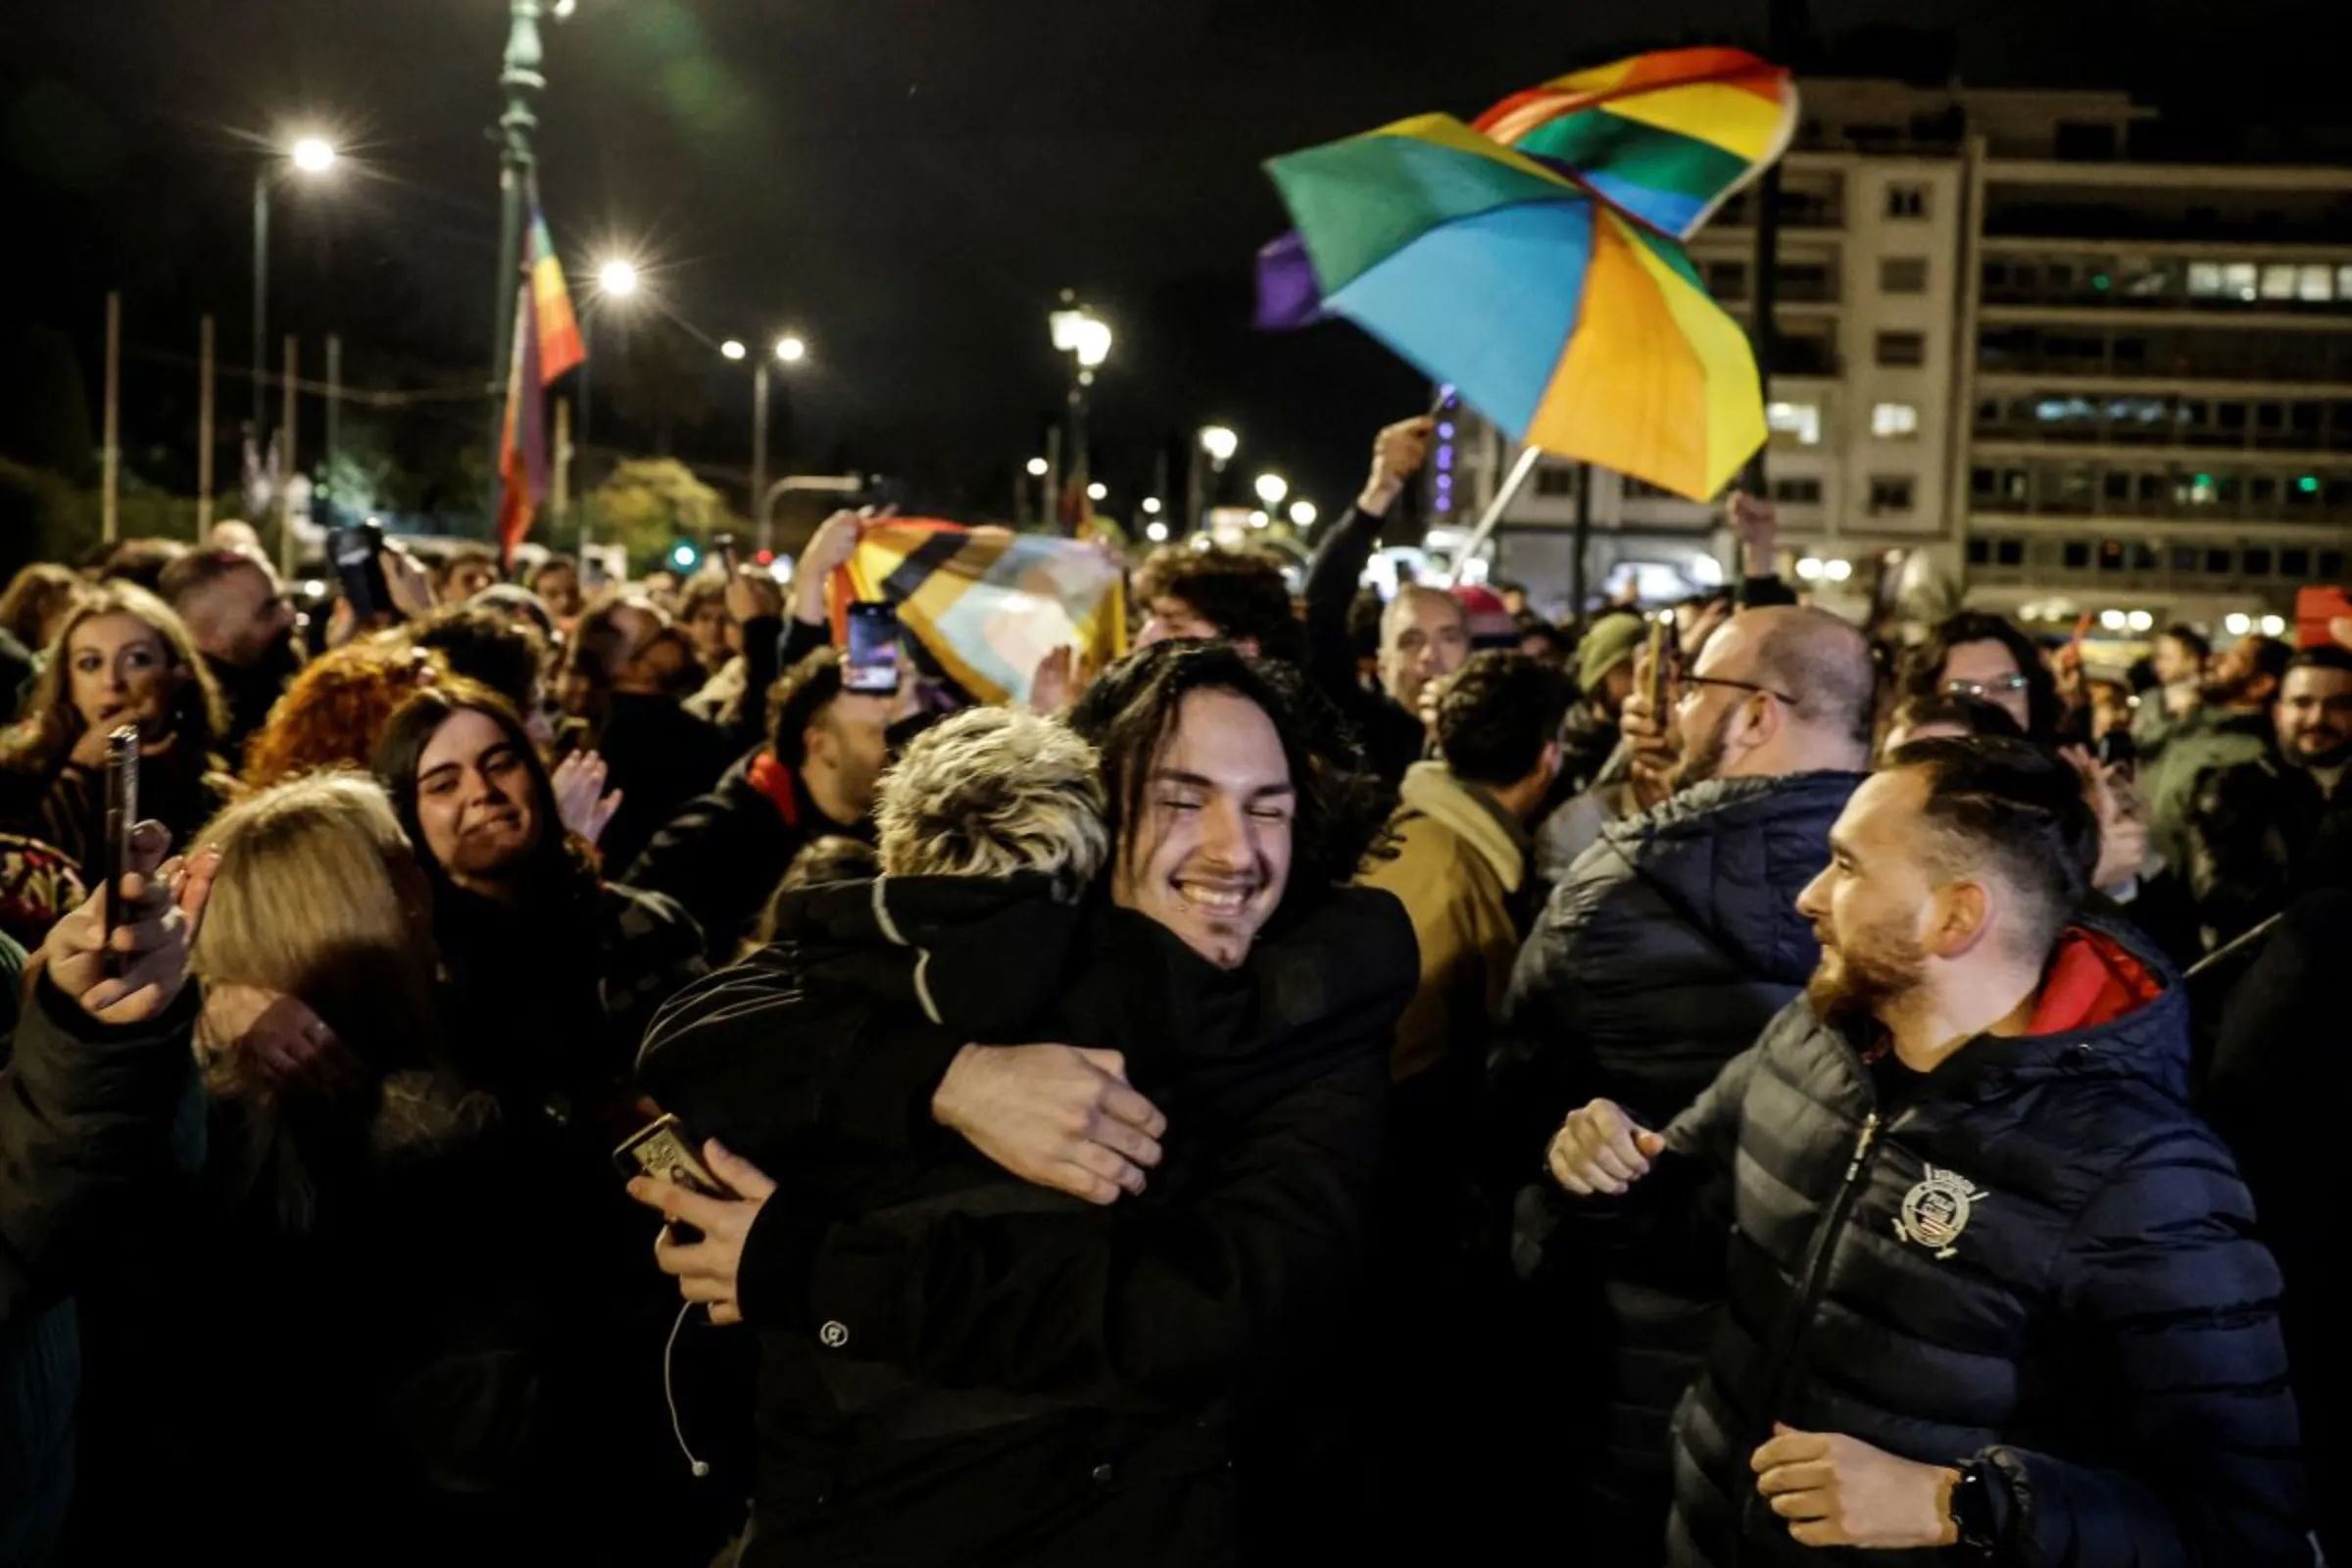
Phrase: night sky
(907, 182)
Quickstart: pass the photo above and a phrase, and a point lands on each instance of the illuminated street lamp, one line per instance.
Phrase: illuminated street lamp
(1037, 467)
(1151, 506)
(619, 277)
(313, 155)
(1098, 491)
(733, 349)
(1086, 338)
(1216, 444)
(1220, 444)
(1304, 515)
(310, 157)
(1272, 488)
(791, 350)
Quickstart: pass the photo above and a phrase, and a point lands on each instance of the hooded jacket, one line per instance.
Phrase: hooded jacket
(2033, 1255)
(958, 1367)
(1458, 868)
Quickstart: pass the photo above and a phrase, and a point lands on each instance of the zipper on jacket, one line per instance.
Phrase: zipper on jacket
(1800, 1310)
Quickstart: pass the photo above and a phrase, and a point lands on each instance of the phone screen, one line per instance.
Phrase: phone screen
(872, 667)
(357, 556)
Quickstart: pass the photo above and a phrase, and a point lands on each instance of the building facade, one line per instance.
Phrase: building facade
(2013, 362)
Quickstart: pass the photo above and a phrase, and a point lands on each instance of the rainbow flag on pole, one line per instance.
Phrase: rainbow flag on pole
(547, 345)
(988, 604)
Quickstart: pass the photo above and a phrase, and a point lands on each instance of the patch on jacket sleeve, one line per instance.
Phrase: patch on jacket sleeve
(1937, 1211)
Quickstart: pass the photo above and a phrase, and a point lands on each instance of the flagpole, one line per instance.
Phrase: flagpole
(334, 415)
(204, 429)
(285, 474)
(1528, 456)
(111, 478)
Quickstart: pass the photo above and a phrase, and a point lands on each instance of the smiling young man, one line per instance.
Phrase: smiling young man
(1994, 1291)
(1010, 1311)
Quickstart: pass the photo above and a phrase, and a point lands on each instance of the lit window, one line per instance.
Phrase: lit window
(2343, 283)
(2205, 280)
(1906, 201)
(1895, 420)
(1799, 419)
(2237, 280)
(2314, 283)
(2278, 282)
(1891, 493)
(1903, 274)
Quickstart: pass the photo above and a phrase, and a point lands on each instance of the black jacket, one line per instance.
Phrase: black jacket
(2252, 831)
(2038, 1256)
(1393, 739)
(960, 1368)
(724, 855)
(1668, 948)
(659, 757)
(83, 1112)
(2279, 1080)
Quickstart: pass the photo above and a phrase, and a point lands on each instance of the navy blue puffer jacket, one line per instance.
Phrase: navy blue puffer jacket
(1662, 955)
(2040, 1258)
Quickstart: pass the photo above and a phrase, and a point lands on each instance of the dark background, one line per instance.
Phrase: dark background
(907, 182)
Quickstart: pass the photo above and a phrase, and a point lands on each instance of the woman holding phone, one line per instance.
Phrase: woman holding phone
(122, 658)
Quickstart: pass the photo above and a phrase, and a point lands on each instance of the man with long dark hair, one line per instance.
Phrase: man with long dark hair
(1010, 1310)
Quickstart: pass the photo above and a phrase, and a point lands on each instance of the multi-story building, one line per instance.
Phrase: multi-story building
(2013, 359)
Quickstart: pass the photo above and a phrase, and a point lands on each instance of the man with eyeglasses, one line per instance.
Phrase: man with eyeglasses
(1662, 955)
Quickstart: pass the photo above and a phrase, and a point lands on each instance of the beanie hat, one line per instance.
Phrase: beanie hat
(1609, 642)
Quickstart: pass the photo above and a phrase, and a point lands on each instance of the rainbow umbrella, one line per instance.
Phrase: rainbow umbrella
(1568, 313)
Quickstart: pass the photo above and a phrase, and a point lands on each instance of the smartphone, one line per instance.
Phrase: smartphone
(872, 667)
(122, 816)
(663, 1150)
(1657, 690)
(2115, 749)
(358, 556)
(728, 548)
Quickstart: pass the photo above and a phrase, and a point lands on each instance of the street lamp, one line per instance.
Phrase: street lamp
(310, 156)
(1086, 338)
(1217, 444)
(1037, 467)
(619, 277)
(1272, 488)
(1098, 491)
(1157, 532)
(733, 349)
(787, 350)
(1151, 506)
(1304, 515)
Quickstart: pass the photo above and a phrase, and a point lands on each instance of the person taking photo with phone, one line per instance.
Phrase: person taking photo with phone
(122, 658)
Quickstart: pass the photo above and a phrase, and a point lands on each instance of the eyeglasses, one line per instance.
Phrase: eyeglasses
(1985, 688)
(1734, 685)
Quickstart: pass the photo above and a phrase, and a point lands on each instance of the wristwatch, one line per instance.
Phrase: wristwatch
(1974, 1515)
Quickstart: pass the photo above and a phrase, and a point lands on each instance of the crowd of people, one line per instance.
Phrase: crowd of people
(1698, 1085)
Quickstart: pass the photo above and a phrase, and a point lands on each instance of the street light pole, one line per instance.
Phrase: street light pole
(261, 311)
(759, 439)
(520, 78)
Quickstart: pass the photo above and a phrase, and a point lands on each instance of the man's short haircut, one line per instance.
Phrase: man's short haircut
(2271, 658)
(1826, 664)
(2017, 810)
(1240, 592)
(800, 697)
(2189, 637)
(505, 653)
(190, 574)
(2327, 657)
(1393, 616)
(1497, 715)
(990, 792)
